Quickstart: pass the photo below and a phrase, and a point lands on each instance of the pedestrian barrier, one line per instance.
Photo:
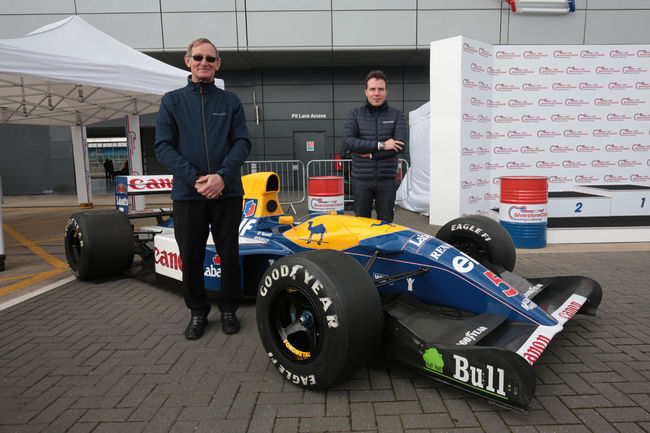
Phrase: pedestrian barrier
(292, 178)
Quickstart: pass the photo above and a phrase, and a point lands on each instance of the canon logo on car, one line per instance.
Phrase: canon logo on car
(536, 348)
(168, 259)
(150, 183)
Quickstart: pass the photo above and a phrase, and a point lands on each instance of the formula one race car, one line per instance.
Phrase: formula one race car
(335, 292)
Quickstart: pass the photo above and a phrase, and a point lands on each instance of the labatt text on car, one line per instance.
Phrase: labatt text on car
(335, 291)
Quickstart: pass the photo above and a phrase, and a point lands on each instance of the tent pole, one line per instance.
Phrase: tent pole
(81, 166)
(132, 126)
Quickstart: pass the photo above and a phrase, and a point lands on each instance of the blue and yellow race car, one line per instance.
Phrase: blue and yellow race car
(335, 292)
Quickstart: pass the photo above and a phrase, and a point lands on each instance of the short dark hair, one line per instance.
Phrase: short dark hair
(200, 41)
(376, 74)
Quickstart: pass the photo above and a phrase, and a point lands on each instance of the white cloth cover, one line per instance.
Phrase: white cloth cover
(413, 193)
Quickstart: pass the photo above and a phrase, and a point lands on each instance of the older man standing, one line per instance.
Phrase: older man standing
(374, 134)
(202, 138)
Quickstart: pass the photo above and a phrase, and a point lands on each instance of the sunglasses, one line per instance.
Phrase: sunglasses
(209, 59)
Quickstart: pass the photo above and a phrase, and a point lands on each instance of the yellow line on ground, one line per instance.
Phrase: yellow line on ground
(35, 248)
(42, 241)
(35, 279)
(16, 278)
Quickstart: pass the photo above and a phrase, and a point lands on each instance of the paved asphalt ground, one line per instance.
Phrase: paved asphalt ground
(110, 356)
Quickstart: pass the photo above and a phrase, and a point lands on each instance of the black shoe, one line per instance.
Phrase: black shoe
(195, 328)
(229, 323)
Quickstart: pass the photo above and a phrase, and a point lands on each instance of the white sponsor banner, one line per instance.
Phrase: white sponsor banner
(579, 115)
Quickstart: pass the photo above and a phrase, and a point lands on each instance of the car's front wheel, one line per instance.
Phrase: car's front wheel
(319, 317)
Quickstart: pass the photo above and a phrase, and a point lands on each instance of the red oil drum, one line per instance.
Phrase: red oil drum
(325, 194)
(524, 209)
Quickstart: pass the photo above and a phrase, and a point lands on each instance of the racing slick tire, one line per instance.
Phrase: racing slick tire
(319, 317)
(483, 239)
(98, 244)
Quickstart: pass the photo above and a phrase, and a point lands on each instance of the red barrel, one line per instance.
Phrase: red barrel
(325, 194)
(523, 209)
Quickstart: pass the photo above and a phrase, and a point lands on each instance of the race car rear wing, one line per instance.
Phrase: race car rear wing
(129, 188)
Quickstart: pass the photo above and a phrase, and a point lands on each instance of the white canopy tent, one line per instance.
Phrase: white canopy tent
(70, 73)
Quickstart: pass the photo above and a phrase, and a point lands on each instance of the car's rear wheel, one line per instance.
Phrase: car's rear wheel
(98, 244)
(483, 239)
(319, 317)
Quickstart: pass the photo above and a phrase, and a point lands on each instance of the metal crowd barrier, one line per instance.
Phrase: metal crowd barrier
(343, 167)
(292, 178)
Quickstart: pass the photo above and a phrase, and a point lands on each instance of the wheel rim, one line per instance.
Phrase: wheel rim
(297, 325)
(74, 247)
(473, 249)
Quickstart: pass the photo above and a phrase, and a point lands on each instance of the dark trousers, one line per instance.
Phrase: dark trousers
(193, 220)
(382, 192)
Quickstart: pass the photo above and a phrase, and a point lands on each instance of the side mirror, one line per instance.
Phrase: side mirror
(285, 219)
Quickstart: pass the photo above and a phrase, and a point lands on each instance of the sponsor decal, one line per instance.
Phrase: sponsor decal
(475, 167)
(496, 181)
(493, 103)
(572, 164)
(214, 270)
(641, 116)
(468, 48)
(639, 178)
(545, 70)
(614, 85)
(504, 119)
(518, 134)
(558, 179)
(546, 164)
(561, 54)
(530, 87)
(642, 85)
(588, 118)
(122, 201)
(514, 165)
(628, 163)
(529, 118)
(584, 179)
(545, 102)
(468, 83)
(121, 189)
(507, 55)
(470, 336)
(573, 133)
(589, 86)
(603, 133)
(643, 53)
(168, 259)
(616, 148)
(606, 70)
(476, 101)
(556, 148)
(508, 291)
(483, 52)
(620, 54)
(587, 148)
(599, 164)
(250, 206)
(638, 147)
(518, 103)
(150, 183)
(246, 224)
(632, 101)
(611, 178)
(535, 349)
(563, 86)
(484, 86)
(482, 150)
(528, 305)
(462, 264)
(468, 118)
(475, 135)
(520, 71)
(420, 239)
(528, 54)
(488, 196)
(531, 149)
(574, 70)
(493, 135)
(626, 132)
(473, 199)
(633, 70)
(543, 133)
(482, 182)
(468, 151)
(493, 166)
(573, 102)
(467, 184)
(472, 228)
(477, 68)
(561, 118)
(588, 54)
(501, 87)
(292, 377)
(617, 117)
(483, 119)
(495, 71)
(604, 102)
